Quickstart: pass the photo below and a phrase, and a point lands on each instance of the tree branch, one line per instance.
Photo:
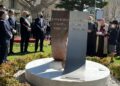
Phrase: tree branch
(29, 2)
(22, 3)
(52, 2)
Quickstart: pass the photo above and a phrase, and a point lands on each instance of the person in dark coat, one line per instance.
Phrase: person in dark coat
(12, 22)
(112, 38)
(40, 26)
(91, 39)
(5, 36)
(25, 32)
(113, 33)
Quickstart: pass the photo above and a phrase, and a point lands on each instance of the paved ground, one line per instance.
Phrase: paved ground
(113, 82)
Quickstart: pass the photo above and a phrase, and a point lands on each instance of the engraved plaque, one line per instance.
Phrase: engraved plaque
(59, 33)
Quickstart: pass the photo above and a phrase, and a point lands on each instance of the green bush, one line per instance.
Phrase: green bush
(115, 70)
(105, 61)
(7, 70)
(6, 81)
(95, 59)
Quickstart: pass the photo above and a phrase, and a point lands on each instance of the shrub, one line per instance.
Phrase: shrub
(115, 70)
(7, 70)
(5, 81)
(95, 59)
(105, 61)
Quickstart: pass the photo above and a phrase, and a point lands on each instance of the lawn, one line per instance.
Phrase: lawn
(16, 49)
(117, 59)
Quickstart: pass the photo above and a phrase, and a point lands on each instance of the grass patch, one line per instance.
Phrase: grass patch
(16, 49)
(117, 60)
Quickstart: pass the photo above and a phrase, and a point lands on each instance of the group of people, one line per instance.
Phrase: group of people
(8, 30)
(39, 28)
(103, 39)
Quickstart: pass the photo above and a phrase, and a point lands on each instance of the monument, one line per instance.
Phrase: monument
(69, 37)
(59, 33)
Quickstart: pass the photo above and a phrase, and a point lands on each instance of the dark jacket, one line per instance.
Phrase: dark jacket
(24, 27)
(113, 33)
(12, 22)
(38, 28)
(5, 32)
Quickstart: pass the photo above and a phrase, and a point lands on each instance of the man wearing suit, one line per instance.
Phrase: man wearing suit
(25, 32)
(5, 36)
(12, 22)
(40, 27)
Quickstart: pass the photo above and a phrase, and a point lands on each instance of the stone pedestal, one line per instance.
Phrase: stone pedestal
(47, 72)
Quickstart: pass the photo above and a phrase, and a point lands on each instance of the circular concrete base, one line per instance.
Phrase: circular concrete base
(47, 72)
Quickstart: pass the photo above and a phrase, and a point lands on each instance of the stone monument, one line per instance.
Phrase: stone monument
(59, 33)
(77, 41)
(77, 71)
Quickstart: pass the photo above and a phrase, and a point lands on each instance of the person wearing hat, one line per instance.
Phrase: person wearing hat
(40, 29)
(25, 30)
(5, 36)
(112, 38)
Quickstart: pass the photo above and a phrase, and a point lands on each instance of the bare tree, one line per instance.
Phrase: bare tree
(114, 8)
(36, 6)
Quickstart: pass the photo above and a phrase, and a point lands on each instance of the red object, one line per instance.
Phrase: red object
(17, 39)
